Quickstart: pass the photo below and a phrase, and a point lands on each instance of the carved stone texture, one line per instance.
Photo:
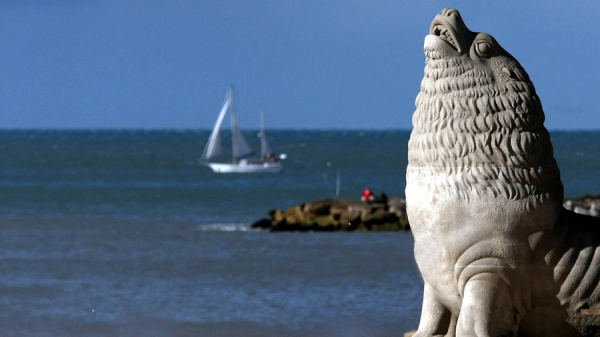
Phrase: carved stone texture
(499, 254)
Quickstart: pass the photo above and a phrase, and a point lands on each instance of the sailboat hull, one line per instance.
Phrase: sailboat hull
(246, 167)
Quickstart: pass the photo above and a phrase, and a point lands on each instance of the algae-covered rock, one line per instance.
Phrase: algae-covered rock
(295, 215)
(277, 216)
(348, 217)
(319, 207)
(339, 215)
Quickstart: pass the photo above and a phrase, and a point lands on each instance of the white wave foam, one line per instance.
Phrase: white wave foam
(226, 227)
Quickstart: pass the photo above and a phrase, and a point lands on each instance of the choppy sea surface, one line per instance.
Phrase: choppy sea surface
(123, 233)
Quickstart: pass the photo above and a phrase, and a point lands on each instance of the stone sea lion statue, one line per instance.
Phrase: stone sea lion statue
(499, 254)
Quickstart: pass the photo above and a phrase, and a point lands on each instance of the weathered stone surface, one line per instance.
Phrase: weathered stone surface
(499, 254)
(338, 215)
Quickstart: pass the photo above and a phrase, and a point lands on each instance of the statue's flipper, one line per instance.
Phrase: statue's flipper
(436, 319)
(487, 308)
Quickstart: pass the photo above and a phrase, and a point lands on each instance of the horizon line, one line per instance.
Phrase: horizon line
(127, 129)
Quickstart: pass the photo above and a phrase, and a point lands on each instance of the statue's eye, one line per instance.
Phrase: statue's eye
(483, 48)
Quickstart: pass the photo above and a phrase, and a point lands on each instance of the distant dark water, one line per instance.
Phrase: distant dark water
(122, 233)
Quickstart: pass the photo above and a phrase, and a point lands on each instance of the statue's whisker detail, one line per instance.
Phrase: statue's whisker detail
(498, 253)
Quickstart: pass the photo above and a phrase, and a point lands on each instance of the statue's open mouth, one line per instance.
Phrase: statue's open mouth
(447, 34)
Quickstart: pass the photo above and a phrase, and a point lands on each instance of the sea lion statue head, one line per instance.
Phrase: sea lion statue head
(479, 110)
(451, 43)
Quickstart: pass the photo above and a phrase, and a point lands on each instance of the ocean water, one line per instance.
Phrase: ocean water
(123, 233)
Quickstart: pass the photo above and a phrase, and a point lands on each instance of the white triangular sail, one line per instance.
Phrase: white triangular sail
(265, 149)
(213, 147)
(241, 149)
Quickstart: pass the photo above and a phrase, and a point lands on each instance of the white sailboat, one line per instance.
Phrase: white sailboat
(241, 151)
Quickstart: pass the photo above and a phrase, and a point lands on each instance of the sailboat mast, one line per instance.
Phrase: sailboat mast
(262, 121)
(233, 126)
(263, 153)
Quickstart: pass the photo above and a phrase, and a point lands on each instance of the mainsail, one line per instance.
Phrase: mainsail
(213, 147)
(240, 147)
(265, 149)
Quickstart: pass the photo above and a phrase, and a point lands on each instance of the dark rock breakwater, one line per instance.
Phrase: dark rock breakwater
(588, 205)
(338, 215)
(356, 215)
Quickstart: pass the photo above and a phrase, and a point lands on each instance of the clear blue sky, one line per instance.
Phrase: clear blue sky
(312, 64)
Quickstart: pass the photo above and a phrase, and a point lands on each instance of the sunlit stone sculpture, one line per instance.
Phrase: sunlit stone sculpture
(498, 253)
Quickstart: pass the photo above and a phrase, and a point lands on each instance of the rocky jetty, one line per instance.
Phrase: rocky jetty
(356, 215)
(588, 205)
(339, 215)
